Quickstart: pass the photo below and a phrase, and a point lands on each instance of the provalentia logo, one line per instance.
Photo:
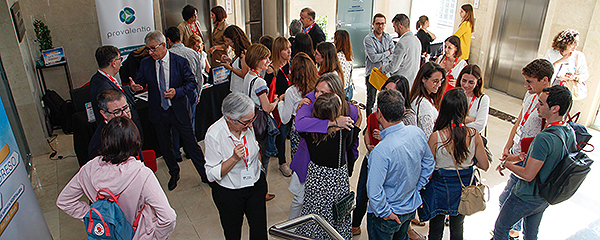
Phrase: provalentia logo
(127, 15)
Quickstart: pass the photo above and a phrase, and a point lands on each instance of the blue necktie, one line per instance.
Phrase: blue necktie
(162, 85)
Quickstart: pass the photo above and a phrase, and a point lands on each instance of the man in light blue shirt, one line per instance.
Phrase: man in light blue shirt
(378, 51)
(393, 183)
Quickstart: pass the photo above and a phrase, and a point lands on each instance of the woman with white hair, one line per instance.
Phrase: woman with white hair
(233, 168)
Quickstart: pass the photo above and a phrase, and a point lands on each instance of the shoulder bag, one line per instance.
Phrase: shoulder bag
(261, 121)
(346, 204)
(472, 197)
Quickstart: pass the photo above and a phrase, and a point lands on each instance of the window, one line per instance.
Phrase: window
(440, 13)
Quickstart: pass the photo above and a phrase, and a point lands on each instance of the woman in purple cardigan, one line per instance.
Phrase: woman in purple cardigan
(327, 83)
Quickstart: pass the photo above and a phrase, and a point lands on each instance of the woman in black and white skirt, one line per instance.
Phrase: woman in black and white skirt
(327, 179)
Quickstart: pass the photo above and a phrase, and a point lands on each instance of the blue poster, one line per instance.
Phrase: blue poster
(20, 213)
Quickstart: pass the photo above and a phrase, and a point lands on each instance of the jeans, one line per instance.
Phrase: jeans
(349, 92)
(436, 227)
(513, 210)
(361, 195)
(388, 229)
(280, 142)
(371, 94)
(512, 180)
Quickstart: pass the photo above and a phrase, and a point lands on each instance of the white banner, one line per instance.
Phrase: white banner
(124, 23)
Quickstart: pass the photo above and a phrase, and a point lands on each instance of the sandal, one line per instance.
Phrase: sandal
(416, 222)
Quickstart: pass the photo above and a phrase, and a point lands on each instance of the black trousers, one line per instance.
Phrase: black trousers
(233, 204)
(371, 94)
(165, 142)
(436, 227)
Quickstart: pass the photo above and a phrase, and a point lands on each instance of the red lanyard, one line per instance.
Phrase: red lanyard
(245, 158)
(453, 65)
(257, 74)
(555, 123)
(472, 100)
(529, 111)
(286, 75)
(112, 79)
(308, 29)
(197, 32)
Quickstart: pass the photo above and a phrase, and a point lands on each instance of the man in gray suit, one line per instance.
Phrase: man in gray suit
(407, 53)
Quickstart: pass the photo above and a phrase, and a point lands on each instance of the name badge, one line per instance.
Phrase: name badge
(247, 177)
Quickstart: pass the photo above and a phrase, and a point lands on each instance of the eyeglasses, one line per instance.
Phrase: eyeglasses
(379, 23)
(152, 49)
(438, 81)
(119, 111)
(246, 123)
(119, 58)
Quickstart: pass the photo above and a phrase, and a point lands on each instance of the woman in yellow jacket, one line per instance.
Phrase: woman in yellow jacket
(465, 30)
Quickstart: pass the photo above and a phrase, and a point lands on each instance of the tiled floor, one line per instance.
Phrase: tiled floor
(577, 218)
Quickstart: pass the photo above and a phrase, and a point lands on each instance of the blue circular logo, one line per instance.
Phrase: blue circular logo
(127, 15)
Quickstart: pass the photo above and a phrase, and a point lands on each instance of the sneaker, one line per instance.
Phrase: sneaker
(285, 170)
(356, 231)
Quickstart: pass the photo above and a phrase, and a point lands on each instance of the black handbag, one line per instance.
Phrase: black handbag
(261, 121)
(346, 204)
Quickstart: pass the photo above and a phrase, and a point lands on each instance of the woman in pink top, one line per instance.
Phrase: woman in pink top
(118, 171)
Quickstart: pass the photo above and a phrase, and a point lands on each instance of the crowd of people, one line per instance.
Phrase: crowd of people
(424, 130)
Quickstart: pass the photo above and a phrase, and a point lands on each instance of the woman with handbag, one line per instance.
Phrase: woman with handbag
(327, 180)
(470, 79)
(257, 60)
(453, 145)
(570, 65)
(234, 169)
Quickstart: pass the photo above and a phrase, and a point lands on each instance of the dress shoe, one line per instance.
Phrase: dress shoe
(179, 160)
(269, 197)
(173, 182)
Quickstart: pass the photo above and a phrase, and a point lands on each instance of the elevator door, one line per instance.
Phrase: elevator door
(515, 43)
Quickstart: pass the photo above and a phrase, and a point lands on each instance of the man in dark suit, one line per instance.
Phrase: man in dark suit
(109, 62)
(112, 103)
(169, 80)
(310, 27)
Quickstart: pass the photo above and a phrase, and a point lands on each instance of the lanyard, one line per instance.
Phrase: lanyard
(257, 74)
(529, 111)
(245, 158)
(555, 123)
(306, 30)
(286, 75)
(472, 100)
(453, 65)
(197, 31)
(112, 79)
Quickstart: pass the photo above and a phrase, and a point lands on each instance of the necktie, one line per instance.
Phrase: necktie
(162, 85)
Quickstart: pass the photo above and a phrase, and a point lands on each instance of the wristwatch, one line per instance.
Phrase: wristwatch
(502, 164)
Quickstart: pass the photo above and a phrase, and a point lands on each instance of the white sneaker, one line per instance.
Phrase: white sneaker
(285, 170)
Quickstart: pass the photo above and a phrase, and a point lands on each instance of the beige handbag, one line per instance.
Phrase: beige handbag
(472, 197)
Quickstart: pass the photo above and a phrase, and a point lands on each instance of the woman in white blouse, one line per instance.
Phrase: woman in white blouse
(426, 95)
(479, 103)
(234, 169)
(302, 81)
(570, 65)
(451, 60)
(343, 47)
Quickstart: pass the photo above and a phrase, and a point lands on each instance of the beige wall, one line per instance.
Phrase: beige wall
(584, 16)
(20, 71)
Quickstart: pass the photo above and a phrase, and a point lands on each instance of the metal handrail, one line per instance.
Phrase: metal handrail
(281, 230)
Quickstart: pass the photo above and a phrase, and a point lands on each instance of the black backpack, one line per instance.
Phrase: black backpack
(567, 176)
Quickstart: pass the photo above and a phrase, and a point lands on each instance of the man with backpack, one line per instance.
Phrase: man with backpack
(545, 153)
